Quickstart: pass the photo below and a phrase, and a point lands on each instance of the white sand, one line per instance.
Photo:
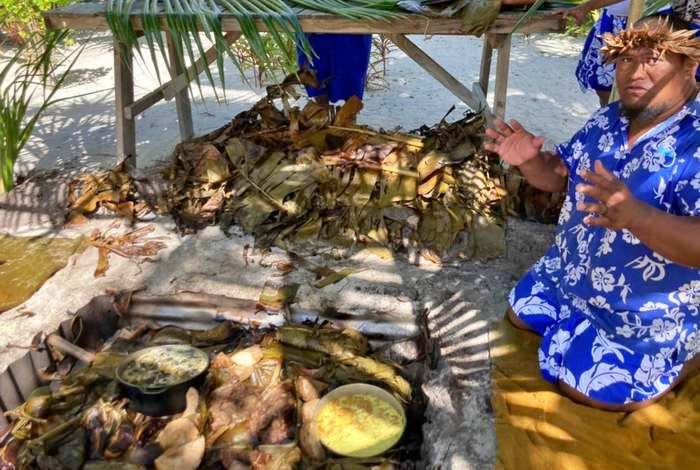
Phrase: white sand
(542, 93)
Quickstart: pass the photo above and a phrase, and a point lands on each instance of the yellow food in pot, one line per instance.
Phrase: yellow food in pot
(359, 425)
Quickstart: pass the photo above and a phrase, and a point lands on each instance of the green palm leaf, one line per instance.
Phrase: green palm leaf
(188, 20)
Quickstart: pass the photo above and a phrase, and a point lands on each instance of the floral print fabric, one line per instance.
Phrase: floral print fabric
(591, 72)
(617, 320)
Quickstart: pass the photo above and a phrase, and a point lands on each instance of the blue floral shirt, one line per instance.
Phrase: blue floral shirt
(619, 320)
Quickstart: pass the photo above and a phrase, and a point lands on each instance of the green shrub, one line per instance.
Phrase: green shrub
(20, 18)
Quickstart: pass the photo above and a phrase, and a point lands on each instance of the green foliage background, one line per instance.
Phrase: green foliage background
(20, 18)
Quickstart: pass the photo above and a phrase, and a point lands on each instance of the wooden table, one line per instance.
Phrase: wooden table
(91, 16)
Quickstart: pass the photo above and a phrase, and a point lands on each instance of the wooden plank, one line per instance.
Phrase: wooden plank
(479, 94)
(172, 88)
(485, 69)
(145, 102)
(502, 70)
(169, 90)
(182, 98)
(124, 96)
(436, 70)
(91, 16)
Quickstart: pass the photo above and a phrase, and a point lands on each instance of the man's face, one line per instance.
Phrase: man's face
(650, 84)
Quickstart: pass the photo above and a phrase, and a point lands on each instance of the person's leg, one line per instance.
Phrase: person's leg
(690, 369)
(517, 322)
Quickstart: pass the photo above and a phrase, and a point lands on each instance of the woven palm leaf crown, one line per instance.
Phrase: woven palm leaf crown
(659, 36)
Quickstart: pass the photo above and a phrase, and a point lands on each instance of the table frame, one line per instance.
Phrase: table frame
(91, 17)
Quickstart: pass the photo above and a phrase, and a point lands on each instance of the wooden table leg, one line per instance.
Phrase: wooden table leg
(124, 96)
(485, 71)
(502, 64)
(182, 98)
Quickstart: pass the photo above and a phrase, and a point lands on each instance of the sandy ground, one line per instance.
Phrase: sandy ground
(462, 301)
(542, 93)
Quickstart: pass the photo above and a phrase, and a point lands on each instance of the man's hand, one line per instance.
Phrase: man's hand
(513, 143)
(617, 208)
(578, 13)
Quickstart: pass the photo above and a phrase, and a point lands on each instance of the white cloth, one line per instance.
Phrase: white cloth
(619, 9)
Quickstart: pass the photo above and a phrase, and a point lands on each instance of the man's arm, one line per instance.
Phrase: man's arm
(579, 12)
(518, 147)
(546, 172)
(674, 237)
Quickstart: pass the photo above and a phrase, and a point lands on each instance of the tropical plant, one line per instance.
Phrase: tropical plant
(189, 20)
(650, 6)
(20, 83)
(19, 19)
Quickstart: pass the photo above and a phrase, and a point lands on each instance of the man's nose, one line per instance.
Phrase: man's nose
(638, 71)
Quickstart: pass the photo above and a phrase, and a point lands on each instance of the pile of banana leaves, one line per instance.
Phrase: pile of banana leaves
(290, 174)
(254, 409)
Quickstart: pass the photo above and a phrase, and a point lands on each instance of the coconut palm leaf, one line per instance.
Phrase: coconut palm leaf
(529, 14)
(188, 20)
(653, 6)
(18, 84)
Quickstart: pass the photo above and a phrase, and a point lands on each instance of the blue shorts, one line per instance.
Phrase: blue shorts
(576, 351)
(341, 65)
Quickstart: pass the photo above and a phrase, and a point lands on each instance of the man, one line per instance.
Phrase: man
(340, 66)
(592, 73)
(616, 299)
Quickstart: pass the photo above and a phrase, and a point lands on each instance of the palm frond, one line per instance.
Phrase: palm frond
(188, 20)
(529, 14)
(18, 84)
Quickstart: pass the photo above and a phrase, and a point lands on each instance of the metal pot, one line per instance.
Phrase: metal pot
(160, 401)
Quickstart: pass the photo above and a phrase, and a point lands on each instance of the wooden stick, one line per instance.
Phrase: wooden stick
(502, 70)
(436, 71)
(171, 89)
(70, 349)
(182, 98)
(91, 16)
(416, 142)
(124, 97)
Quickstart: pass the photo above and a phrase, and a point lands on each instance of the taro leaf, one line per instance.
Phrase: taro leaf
(348, 112)
(429, 170)
(242, 151)
(335, 276)
(274, 298)
(102, 262)
(393, 184)
(311, 228)
(260, 173)
(255, 209)
(362, 187)
(217, 170)
(209, 165)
